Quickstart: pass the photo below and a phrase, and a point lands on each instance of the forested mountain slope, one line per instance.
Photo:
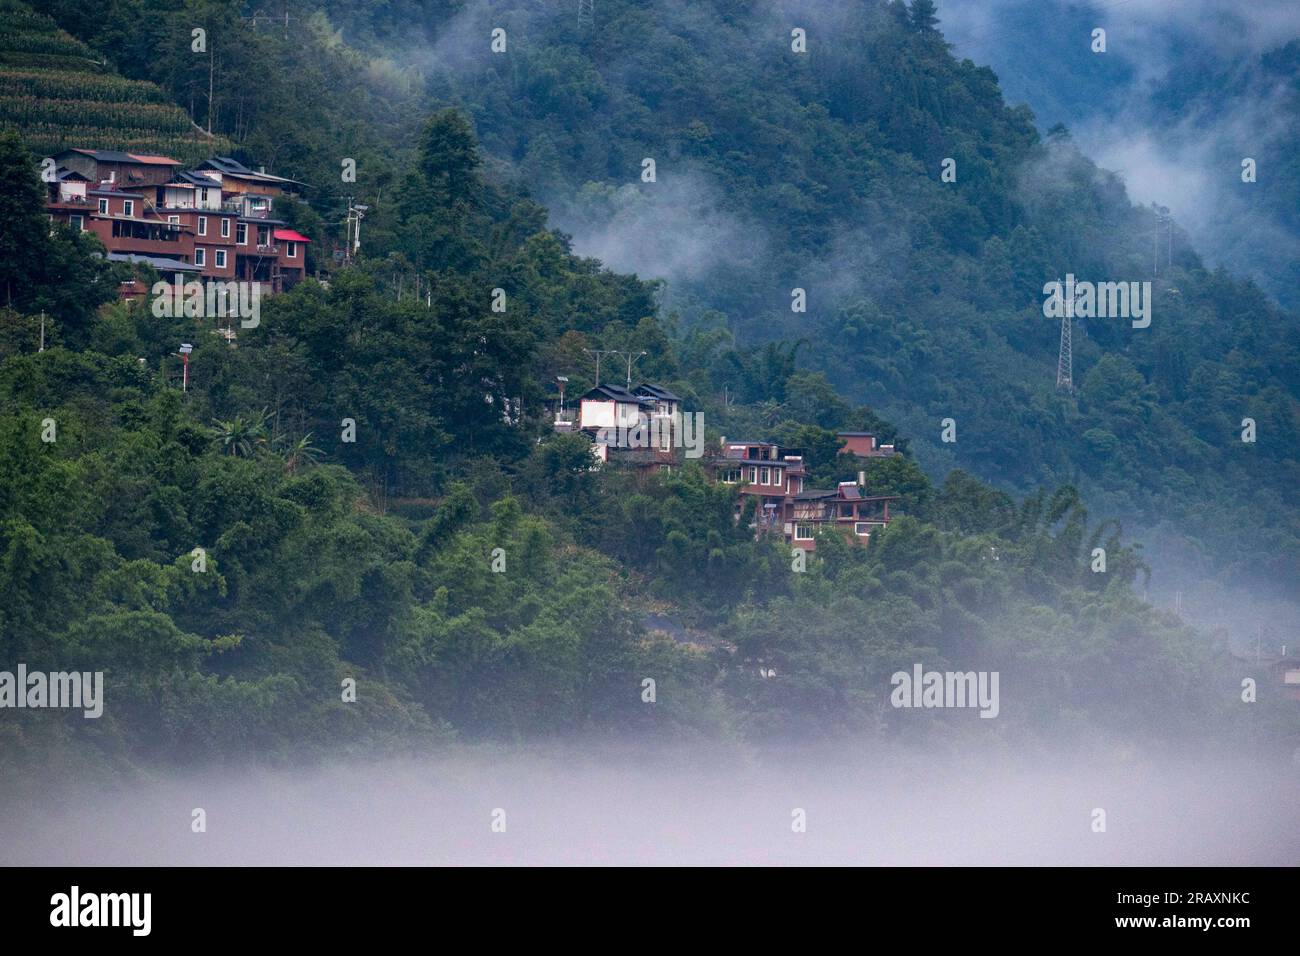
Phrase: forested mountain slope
(778, 170)
(327, 560)
(1182, 95)
(822, 171)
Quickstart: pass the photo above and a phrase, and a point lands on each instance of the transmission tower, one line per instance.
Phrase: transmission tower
(1065, 361)
(586, 14)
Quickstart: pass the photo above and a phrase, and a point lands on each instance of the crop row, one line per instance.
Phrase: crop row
(46, 141)
(12, 59)
(51, 43)
(14, 16)
(28, 110)
(83, 86)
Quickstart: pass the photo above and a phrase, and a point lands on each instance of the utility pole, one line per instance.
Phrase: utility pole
(212, 69)
(598, 353)
(355, 213)
(42, 330)
(630, 359)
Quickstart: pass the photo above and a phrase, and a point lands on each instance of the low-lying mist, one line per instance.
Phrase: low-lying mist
(687, 806)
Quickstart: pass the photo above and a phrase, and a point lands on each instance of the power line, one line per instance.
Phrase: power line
(598, 353)
(631, 357)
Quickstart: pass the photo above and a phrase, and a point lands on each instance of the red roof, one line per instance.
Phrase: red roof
(288, 235)
(154, 160)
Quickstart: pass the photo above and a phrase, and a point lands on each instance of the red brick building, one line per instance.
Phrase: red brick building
(777, 478)
(217, 218)
(864, 445)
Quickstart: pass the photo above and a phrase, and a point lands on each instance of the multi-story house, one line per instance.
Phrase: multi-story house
(122, 170)
(636, 427)
(864, 445)
(216, 219)
(777, 478)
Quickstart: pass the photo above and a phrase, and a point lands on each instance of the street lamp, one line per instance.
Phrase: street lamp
(186, 349)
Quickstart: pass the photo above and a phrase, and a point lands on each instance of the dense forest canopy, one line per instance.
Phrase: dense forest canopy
(823, 171)
(325, 560)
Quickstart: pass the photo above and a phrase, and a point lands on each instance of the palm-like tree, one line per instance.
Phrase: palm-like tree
(239, 436)
(300, 453)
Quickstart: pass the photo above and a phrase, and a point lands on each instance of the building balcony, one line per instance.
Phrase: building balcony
(245, 209)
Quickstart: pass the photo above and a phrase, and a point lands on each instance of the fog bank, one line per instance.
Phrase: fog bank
(681, 807)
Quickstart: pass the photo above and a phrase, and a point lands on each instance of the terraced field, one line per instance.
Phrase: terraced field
(56, 93)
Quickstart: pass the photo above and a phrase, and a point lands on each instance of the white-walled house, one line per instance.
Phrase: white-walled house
(612, 406)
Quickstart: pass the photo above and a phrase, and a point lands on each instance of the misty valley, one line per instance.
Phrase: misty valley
(605, 432)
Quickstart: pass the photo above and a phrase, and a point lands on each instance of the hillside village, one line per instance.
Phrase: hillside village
(214, 222)
(772, 476)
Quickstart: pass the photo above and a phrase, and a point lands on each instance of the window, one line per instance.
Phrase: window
(225, 228)
(221, 258)
(174, 220)
(263, 236)
(241, 233)
(753, 476)
(846, 511)
(200, 256)
(862, 529)
(293, 250)
(731, 476)
(803, 531)
(203, 225)
(128, 207)
(765, 476)
(77, 222)
(103, 207)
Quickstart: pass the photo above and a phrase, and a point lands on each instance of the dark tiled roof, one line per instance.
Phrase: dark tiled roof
(655, 391)
(616, 392)
(812, 494)
(192, 178)
(158, 262)
(233, 167)
(228, 165)
(117, 156)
